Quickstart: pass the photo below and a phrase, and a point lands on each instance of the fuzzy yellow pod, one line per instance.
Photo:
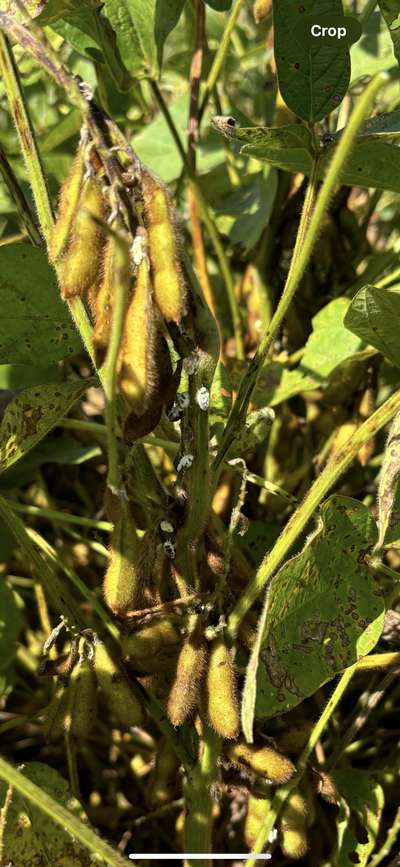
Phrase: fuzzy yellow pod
(263, 761)
(294, 811)
(222, 700)
(257, 812)
(138, 378)
(115, 686)
(55, 714)
(188, 677)
(121, 585)
(261, 9)
(67, 208)
(293, 842)
(167, 276)
(81, 708)
(101, 300)
(79, 267)
(152, 647)
(163, 780)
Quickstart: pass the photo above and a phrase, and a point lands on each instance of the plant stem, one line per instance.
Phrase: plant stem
(387, 846)
(194, 82)
(40, 799)
(367, 11)
(25, 215)
(393, 277)
(310, 225)
(282, 793)
(70, 750)
(26, 136)
(298, 521)
(220, 55)
(198, 484)
(378, 660)
(198, 800)
(209, 223)
(3, 818)
(63, 517)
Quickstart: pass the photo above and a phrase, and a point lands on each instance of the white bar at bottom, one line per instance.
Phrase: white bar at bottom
(200, 855)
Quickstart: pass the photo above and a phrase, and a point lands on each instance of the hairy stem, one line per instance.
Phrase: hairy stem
(198, 799)
(25, 215)
(26, 136)
(221, 54)
(62, 517)
(310, 225)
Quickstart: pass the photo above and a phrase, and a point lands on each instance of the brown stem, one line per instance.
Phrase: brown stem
(200, 259)
(195, 78)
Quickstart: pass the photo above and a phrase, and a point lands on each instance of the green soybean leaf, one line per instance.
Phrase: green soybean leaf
(168, 13)
(156, 147)
(34, 322)
(324, 609)
(363, 796)
(32, 414)
(313, 79)
(244, 213)
(374, 51)
(327, 347)
(391, 13)
(133, 24)
(89, 32)
(29, 832)
(22, 375)
(373, 163)
(374, 315)
(386, 125)
(293, 135)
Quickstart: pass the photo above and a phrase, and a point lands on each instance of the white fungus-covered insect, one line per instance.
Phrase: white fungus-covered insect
(139, 246)
(183, 399)
(174, 413)
(185, 463)
(203, 398)
(169, 549)
(166, 527)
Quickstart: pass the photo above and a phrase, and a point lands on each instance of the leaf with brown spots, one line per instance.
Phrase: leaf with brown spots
(29, 833)
(32, 414)
(325, 609)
